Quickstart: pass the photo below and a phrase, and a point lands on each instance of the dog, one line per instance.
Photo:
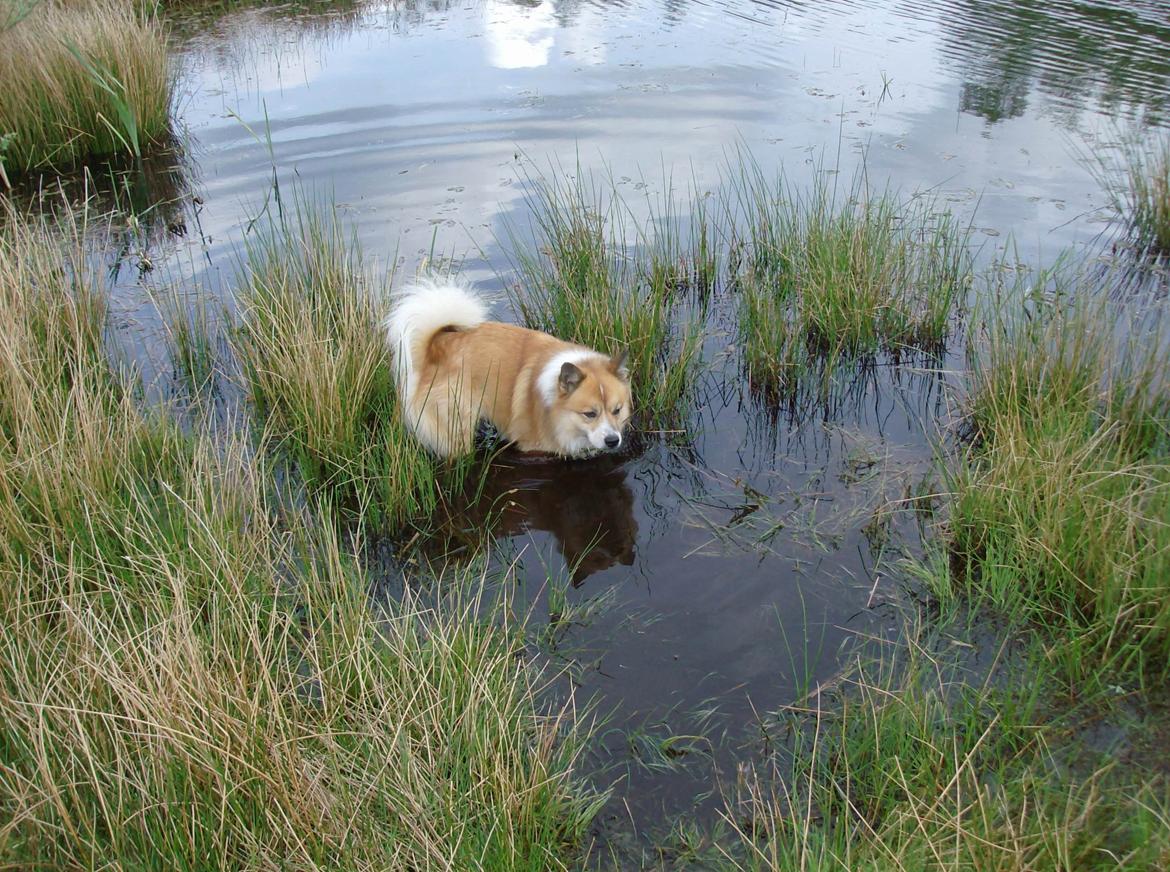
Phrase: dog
(455, 368)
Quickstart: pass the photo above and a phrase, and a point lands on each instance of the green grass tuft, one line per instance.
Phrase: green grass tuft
(79, 80)
(1149, 200)
(190, 337)
(910, 764)
(583, 280)
(1136, 178)
(827, 274)
(315, 356)
(195, 678)
(1062, 499)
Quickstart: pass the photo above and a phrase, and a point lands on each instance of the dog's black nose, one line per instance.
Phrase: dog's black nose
(612, 440)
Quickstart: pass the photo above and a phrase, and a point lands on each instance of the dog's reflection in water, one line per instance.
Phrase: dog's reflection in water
(586, 504)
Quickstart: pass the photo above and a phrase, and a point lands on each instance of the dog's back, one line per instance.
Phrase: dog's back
(420, 311)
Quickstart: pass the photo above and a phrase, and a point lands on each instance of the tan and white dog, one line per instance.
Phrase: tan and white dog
(455, 368)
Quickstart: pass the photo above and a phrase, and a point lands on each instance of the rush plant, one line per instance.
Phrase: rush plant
(82, 79)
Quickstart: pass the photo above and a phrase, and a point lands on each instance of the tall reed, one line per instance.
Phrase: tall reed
(81, 79)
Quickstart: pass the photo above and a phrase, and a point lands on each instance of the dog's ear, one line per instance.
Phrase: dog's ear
(617, 365)
(570, 378)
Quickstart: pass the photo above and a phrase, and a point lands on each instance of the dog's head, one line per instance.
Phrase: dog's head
(588, 397)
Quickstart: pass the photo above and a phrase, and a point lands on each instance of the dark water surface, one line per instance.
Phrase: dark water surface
(715, 574)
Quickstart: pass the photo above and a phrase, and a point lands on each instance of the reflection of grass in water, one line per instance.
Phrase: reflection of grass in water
(78, 80)
(147, 201)
(577, 281)
(309, 14)
(1060, 506)
(192, 674)
(754, 523)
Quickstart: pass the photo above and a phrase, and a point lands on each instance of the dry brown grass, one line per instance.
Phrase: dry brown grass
(80, 79)
(192, 673)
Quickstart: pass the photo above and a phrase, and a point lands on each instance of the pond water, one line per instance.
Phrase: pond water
(717, 574)
(414, 115)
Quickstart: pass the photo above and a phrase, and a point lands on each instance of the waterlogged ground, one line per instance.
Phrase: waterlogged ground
(719, 571)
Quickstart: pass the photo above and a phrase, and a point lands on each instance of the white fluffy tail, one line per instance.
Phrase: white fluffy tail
(420, 310)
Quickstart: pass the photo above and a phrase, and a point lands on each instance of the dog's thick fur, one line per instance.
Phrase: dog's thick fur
(454, 368)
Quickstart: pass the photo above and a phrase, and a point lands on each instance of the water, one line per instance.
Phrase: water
(413, 115)
(715, 575)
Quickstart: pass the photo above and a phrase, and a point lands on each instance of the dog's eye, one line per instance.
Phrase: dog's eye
(618, 410)
(591, 414)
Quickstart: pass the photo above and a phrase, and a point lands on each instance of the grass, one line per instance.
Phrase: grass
(828, 273)
(584, 279)
(315, 358)
(1138, 186)
(193, 677)
(82, 79)
(1149, 199)
(1060, 506)
(191, 340)
(679, 252)
(1056, 529)
(916, 762)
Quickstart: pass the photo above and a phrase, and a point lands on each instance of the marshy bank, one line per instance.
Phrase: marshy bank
(194, 674)
(879, 584)
(81, 79)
